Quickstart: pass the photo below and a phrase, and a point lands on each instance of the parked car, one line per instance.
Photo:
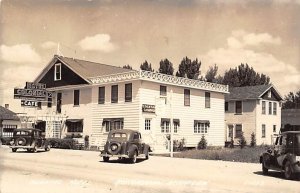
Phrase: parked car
(284, 156)
(125, 144)
(29, 139)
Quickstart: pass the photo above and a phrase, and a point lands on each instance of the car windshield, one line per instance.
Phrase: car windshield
(119, 135)
(22, 133)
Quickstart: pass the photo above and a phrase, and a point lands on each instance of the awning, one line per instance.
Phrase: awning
(74, 120)
(112, 120)
(201, 121)
(165, 120)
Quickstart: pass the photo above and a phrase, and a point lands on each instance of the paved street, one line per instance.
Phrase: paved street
(83, 171)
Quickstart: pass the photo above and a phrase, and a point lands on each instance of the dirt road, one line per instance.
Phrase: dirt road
(82, 171)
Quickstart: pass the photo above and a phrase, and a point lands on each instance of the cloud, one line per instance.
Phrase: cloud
(49, 45)
(20, 53)
(99, 42)
(284, 76)
(240, 39)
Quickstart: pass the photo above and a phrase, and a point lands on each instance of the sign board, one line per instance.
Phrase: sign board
(32, 91)
(148, 108)
(28, 103)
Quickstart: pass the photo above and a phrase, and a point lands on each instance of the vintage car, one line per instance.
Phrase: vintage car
(284, 156)
(126, 145)
(29, 139)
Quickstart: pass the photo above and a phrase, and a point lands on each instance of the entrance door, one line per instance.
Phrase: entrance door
(58, 103)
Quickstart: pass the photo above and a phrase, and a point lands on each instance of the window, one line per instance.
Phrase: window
(176, 125)
(147, 124)
(57, 73)
(165, 125)
(274, 128)
(226, 106)
(76, 97)
(274, 108)
(238, 131)
(186, 97)
(163, 90)
(58, 102)
(207, 100)
(74, 125)
(101, 95)
(269, 94)
(263, 131)
(201, 128)
(114, 94)
(49, 104)
(8, 130)
(39, 105)
(41, 125)
(128, 92)
(238, 107)
(114, 124)
(270, 108)
(263, 107)
(230, 131)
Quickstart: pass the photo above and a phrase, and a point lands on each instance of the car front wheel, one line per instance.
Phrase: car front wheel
(288, 173)
(133, 158)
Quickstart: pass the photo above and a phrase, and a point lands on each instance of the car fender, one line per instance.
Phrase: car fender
(266, 158)
(146, 149)
(131, 150)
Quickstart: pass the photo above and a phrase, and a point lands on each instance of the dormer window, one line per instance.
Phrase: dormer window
(57, 72)
(269, 94)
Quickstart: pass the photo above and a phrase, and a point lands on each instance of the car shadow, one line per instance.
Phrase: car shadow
(114, 161)
(273, 174)
(28, 152)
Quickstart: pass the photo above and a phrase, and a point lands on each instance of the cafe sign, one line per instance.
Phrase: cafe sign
(29, 103)
(148, 108)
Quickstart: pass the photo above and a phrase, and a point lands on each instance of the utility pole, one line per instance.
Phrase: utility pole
(171, 124)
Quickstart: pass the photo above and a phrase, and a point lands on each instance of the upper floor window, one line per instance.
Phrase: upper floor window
(226, 106)
(263, 107)
(76, 97)
(270, 108)
(128, 92)
(263, 131)
(101, 95)
(163, 90)
(114, 93)
(274, 108)
(274, 128)
(186, 97)
(238, 107)
(269, 94)
(207, 100)
(57, 72)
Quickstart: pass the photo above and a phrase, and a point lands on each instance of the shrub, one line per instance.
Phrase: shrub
(178, 145)
(86, 142)
(66, 143)
(253, 140)
(202, 143)
(242, 141)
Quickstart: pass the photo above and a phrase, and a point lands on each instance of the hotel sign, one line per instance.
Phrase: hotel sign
(32, 91)
(148, 108)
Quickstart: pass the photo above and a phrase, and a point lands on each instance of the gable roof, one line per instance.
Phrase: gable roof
(6, 114)
(249, 92)
(83, 68)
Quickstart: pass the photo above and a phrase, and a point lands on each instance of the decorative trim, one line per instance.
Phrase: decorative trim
(160, 78)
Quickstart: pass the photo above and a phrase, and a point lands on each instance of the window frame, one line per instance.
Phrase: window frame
(207, 100)
(201, 128)
(56, 67)
(263, 131)
(76, 127)
(270, 108)
(114, 96)
(263, 107)
(274, 128)
(226, 107)
(187, 97)
(162, 90)
(101, 91)
(76, 97)
(49, 102)
(274, 108)
(147, 125)
(236, 107)
(238, 134)
(165, 127)
(128, 92)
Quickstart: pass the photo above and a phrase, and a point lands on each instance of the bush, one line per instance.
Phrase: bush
(86, 142)
(242, 141)
(253, 140)
(66, 143)
(202, 143)
(179, 145)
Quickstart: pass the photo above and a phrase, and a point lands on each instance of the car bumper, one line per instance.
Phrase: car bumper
(110, 155)
(21, 147)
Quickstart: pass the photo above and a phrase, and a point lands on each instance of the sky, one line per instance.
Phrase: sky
(264, 34)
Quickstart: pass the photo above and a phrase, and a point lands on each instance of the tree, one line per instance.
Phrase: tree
(166, 67)
(146, 66)
(253, 140)
(188, 68)
(242, 141)
(292, 101)
(244, 75)
(202, 143)
(211, 74)
(127, 66)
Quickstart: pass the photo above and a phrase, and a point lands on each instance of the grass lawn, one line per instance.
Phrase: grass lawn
(247, 154)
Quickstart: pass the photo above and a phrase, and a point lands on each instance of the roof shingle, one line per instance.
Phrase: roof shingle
(6, 114)
(246, 92)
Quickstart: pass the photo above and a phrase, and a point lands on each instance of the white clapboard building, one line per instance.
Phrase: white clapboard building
(91, 99)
